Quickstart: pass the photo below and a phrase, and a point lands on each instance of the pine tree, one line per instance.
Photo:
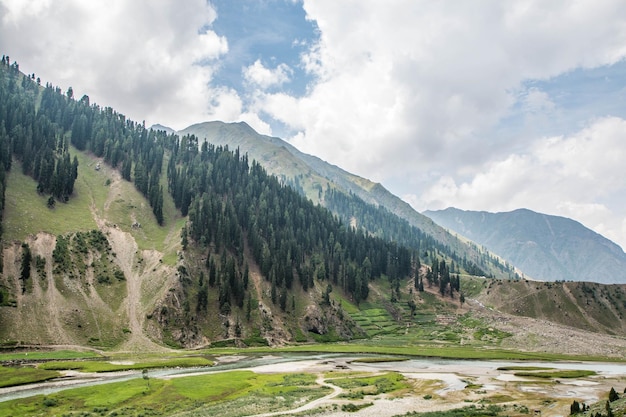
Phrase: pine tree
(26, 261)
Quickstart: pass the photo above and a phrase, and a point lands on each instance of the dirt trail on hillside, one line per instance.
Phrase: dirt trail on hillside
(138, 267)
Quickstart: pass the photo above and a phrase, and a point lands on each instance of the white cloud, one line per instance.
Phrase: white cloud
(139, 57)
(226, 105)
(415, 86)
(412, 94)
(536, 101)
(579, 176)
(264, 77)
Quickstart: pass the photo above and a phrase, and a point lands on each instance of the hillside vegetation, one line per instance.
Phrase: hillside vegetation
(355, 200)
(169, 241)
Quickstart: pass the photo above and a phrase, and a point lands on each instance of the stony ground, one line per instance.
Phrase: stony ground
(544, 336)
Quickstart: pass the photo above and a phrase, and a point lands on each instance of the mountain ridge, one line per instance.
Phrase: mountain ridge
(164, 242)
(545, 247)
(313, 176)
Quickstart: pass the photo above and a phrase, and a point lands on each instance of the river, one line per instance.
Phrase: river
(452, 374)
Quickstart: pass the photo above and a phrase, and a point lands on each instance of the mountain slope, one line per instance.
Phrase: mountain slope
(584, 305)
(161, 242)
(314, 177)
(545, 247)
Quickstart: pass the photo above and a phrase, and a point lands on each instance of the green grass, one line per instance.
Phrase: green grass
(394, 346)
(26, 212)
(216, 387)
(556, 374)
(224, 394)
(381, 359)
(373, 385)
(491, 335)
(10, 376)
(47, 355)
(102, 366)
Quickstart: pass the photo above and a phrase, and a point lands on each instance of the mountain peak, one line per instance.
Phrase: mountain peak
(547, 247)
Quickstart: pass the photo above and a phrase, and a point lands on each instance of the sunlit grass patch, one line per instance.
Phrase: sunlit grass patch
(523, 368)
(47, 355)
(556, 373)
(225, 394)
(372, 385)
(381, 359)
(26, 212)
(111, 366)
(215, 387)
(11, 376)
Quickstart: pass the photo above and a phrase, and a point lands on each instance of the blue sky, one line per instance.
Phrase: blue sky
(481, 105)
(272, 32)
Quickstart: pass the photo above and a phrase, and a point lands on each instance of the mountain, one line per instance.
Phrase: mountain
(309, 173)
(124, 238)
(165, 129)
(545, 247)
(320, 181)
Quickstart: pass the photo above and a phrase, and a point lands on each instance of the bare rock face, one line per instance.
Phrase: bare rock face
(315, 320)
(323, 320)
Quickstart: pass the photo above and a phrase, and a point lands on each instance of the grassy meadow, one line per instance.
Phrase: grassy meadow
(226, 394)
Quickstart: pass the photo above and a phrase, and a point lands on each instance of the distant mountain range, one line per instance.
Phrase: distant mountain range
(545, 247)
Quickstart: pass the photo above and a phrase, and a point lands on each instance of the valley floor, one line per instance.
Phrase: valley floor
(441, 385)
(432, 385)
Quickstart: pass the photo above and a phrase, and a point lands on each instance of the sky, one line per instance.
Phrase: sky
(481, 105)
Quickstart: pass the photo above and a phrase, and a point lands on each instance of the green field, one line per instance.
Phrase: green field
(12, 376)
(27, 213)
(226, 394)
(111, 366)
(47, 355)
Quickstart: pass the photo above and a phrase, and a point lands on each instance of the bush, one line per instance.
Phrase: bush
(49, 402)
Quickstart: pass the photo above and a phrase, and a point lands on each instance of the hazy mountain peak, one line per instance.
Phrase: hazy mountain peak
(166, 129)
(544, 246)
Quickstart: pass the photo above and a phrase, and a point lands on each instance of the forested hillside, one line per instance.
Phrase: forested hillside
(39, 124)
(355, 200)
(239, 218)
(123, 236)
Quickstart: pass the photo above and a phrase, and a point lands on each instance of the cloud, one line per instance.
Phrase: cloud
(150, 60)
(535, 101)
(265, 78)
(442, 102)
(578, 176)
(418, 86)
